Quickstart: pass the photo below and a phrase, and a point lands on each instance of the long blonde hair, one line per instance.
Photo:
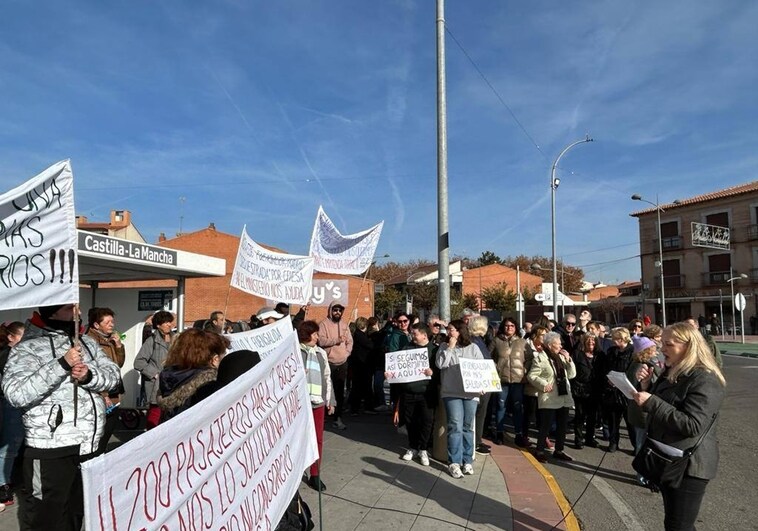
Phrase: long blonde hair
(697, 354)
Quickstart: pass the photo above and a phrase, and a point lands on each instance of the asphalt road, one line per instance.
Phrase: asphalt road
(613, 500)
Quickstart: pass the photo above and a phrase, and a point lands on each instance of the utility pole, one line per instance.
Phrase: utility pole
(443, 239)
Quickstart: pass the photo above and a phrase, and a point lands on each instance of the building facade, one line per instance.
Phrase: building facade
(708, 243)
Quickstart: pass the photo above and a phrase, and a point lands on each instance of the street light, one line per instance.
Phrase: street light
(731, 284)
(554, 182)
(658, 210)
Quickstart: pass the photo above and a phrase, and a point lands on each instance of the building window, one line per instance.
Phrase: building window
(670, 235)
(672, 277)
(720, 219)
(718, 269)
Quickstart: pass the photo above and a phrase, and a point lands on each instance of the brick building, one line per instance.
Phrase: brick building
(696, 273)
(480, 278)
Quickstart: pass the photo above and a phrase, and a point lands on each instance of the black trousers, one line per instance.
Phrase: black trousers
(481, 416)
(612, 416)
(584, 419)
(111, 421)
(682, 505)
(419, 420)
(361, 390)
(530, 410)
(546, 420)
(339, 377)
(51, 496)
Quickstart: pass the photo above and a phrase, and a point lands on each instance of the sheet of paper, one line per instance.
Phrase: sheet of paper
(620, 382)
(666, 449)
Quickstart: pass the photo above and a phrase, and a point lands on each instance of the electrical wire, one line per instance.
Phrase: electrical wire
(571, 508)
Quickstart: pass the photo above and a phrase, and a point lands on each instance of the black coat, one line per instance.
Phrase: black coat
(678, 413)
(615, 359)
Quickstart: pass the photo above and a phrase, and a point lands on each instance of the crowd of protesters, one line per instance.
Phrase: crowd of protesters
(546, 369)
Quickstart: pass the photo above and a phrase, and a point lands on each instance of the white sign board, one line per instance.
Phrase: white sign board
(407, 365)
(739, 302)
(263, 340)
(712, 236)
(350, 254)
(232, 462)
(38, 243)
(479, 376)
(328, 291)
(269, 275)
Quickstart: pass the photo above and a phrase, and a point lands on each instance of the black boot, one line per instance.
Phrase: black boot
(6, 494)
(315, 483)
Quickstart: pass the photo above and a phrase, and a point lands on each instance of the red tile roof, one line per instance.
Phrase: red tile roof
(720, 194)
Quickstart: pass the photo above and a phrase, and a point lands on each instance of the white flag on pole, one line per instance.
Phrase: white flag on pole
(347, 255)
(38, 258)
(270, 275)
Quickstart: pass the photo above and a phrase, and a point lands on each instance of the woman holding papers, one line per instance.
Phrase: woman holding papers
(612, 401)
(680, 407)
(550, 373)
(460, 406)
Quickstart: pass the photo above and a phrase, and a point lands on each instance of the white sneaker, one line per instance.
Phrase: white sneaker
(423, 457)
(409, 455)
(455, 470)
(339, 425)
(468, 468)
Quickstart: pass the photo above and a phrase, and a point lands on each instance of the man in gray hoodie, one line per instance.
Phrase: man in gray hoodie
(58, 382)
(335, 338)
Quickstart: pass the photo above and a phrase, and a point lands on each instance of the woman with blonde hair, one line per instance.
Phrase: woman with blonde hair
(681, 407)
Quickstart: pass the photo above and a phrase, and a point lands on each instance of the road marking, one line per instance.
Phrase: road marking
(625, 512)
(749, 367)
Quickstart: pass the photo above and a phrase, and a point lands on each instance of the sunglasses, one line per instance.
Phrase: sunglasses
(436, 325)
(402, 320)
(570, 324)
(336, 310)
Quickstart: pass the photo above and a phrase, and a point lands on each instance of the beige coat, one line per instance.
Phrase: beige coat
(508, 355)
(541, 374)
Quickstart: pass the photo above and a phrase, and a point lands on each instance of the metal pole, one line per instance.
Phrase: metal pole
(519, 304)
(443, 241)
(660, 259)
(721, 311)
(731, 284)
(553, 187)
(742, 324)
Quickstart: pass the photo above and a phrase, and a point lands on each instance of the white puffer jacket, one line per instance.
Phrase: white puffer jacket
(36, 382)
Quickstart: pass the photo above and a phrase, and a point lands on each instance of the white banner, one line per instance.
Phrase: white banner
(232, 462)
(263, 340)
(479, 376)
(347, 255)
(407, 365)
(38, 259)
(269, 275)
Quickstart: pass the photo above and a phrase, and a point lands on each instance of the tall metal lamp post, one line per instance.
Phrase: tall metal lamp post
(554, 182)
(731, 280)
(658, 210)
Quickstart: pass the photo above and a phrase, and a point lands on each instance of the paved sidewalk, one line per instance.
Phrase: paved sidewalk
(370, 488)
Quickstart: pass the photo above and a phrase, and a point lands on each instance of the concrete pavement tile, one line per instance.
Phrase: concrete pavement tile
(451, 499)
(409, 490)
(378, 519)
(339, 515)
(434, 524)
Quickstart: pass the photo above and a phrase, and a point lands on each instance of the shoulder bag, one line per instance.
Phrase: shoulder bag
(662, 470)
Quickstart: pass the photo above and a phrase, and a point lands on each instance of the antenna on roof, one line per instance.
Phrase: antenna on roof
(182, 199)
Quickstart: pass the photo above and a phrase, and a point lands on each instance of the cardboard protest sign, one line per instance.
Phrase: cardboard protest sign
(263, 340)
(38, 243)
(234, 461)
(351, 254)
(269, 275)
(479, 376)
(407, 365)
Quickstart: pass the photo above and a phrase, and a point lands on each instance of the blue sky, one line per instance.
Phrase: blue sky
(257, 112)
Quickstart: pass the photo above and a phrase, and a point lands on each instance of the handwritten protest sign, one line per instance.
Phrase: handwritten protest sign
(479, 376)
(38, 259)
(263, 340)
(334, 253)
(232, 462)
(407, 365)
(269, 275)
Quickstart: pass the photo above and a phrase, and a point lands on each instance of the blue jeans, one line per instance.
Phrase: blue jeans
(460, 435)
(515, 394)
(379, 398)
(11, 439)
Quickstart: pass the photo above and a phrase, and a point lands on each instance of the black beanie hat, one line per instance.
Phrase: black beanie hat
(235, 364)
(47, 311)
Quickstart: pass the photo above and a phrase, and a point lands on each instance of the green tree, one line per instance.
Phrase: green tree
(424, 296)
(569, 277)
(386, 302)
(499, 298)
(488, 257)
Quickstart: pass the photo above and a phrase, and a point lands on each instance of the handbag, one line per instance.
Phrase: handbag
(662, 470)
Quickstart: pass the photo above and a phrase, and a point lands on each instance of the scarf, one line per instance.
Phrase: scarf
(313, 375)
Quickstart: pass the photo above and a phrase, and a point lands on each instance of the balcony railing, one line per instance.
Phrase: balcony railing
(670, 281)
(752, 232)
(716, 278)
(669, 243)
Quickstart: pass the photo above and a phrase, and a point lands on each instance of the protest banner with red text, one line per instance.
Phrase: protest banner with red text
(234, 461)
